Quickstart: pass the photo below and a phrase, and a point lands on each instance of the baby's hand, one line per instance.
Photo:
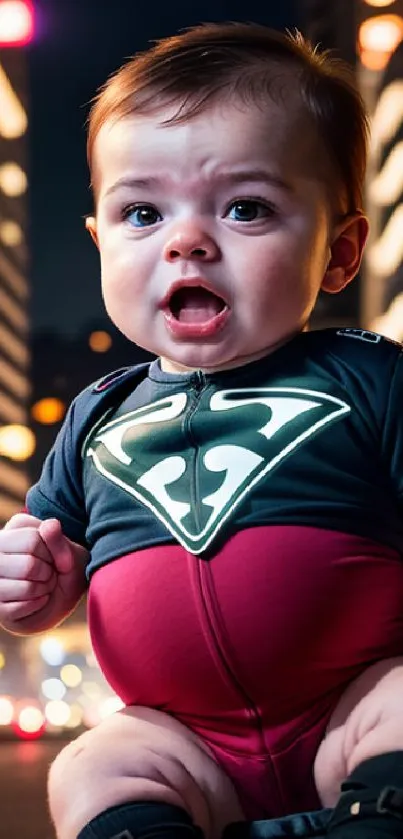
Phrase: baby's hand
(42, 574)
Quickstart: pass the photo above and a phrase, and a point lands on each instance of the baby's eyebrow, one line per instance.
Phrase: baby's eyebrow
(259, 175)
(133, 183)
(255, 175)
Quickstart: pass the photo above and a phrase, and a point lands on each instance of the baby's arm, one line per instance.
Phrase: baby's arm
(42, 575)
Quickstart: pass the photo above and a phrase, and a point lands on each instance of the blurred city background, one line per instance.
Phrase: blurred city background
(54, 334)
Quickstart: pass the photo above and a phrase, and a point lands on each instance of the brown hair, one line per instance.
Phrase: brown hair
(211, 60)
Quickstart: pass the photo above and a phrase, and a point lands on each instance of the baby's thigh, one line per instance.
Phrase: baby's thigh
(367, 721)
(139, 754)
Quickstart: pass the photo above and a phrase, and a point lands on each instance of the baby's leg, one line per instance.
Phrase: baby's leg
(363, 750)
(139, 756)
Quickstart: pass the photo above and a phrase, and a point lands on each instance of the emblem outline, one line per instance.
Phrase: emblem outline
(179, 532)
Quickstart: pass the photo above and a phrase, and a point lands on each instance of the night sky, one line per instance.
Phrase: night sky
(78, 44)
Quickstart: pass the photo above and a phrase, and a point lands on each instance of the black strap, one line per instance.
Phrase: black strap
(363, 804)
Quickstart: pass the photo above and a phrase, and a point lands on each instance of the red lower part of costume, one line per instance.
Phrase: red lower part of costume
(253, 648)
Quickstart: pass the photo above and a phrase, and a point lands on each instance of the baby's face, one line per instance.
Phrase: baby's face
(213, 234)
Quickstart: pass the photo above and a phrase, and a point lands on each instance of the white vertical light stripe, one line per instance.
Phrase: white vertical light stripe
(13, 278)
(13, 479)
(386, 253)
(14, 381)
(13, 347)
(15, 314)
(387, 186)
(388, 115)
(9, 506)
(13, 117)
(10, 411)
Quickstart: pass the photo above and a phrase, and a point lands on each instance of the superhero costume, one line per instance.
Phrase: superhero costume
(251, 519)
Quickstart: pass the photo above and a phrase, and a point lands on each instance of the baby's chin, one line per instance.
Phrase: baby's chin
(208, 362)
(223, 353)
(213, 358)
(186, 362)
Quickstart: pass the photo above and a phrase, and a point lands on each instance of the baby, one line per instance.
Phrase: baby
(234, 507)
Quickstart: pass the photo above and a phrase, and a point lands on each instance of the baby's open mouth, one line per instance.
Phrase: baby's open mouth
(195, 304)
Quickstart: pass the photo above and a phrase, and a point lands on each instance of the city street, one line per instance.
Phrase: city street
(23, 770)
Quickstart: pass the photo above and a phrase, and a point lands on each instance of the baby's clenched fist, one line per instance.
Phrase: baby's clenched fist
(42, 574)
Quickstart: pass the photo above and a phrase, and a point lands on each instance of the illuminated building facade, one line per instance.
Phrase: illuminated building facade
(14, 350)
(47, 682)
(369, 35)
(16, 21)
(383, 300)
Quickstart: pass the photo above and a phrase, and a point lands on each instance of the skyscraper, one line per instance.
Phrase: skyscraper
(385, 198)
(14, 348)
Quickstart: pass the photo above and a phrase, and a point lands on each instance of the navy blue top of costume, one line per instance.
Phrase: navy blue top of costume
(310, 435)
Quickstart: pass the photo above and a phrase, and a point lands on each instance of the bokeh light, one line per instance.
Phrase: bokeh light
(17, 442)
(11, 233)
(6, 710)
(379, 3)
(48, 411)
(30, 722)
(76, 716)
(91, 690)
(71, 675)
(13, 180)
(100, 341)
(16, 23)
(110, 706)
(52, 651)
(57, 712)
(378, 37)
(53, 689)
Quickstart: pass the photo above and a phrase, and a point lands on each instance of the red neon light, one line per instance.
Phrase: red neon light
(16, 23)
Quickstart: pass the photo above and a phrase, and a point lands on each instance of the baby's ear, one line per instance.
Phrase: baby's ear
(91, 226)
(349, 238)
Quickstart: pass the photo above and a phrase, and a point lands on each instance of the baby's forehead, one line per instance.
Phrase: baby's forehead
(283, 117)
(276, 131)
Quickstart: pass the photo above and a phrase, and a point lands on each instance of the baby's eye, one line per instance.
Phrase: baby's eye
(141, 215)
(249, 209)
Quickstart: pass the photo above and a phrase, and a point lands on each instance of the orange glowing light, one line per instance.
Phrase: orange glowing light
(378, 37)
(373, 60)
(48, 410)
(100, 341)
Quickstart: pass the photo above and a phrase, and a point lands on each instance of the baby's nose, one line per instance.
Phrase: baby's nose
(190, 242)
